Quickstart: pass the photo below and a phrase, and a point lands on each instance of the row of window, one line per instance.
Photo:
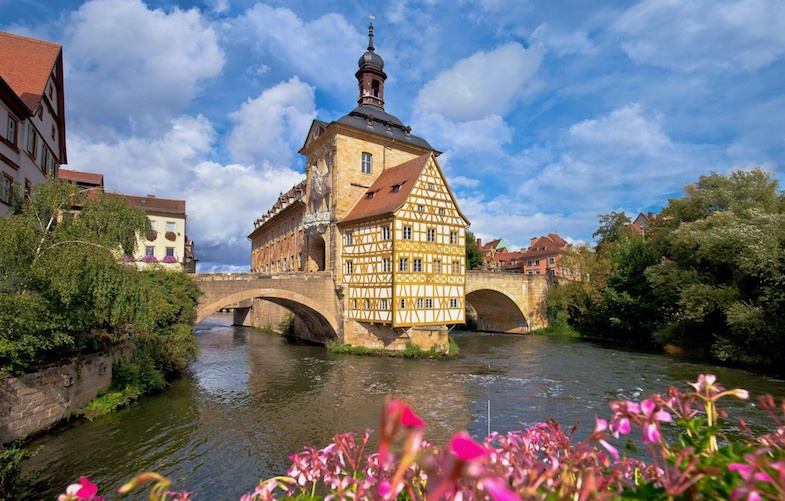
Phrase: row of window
(282, 230)
(430, 235)
(426, 303)
(43, 156)
(550, 260)
(169, 226)
(150, 251)
(417, 266)
(281, 265)
(552, 271)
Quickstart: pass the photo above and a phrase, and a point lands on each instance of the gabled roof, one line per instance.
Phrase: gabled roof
(382, 198)
(76, 176)
(386, 199)
(544, 245)
(26, 64)
(155, 204)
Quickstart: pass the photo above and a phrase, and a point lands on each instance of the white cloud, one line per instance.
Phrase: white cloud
(272, 126)
(483, 84)
(123, 58)
(704, 34)
(563, 43)
(324, 50)
(625, 129)
(463, 182)
(485, 134)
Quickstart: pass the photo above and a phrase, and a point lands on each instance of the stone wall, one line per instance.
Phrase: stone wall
(34, 402)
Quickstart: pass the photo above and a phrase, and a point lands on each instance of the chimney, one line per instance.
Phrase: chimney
(531, 244)
(479, 244)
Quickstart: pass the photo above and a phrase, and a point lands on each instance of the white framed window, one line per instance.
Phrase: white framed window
(529, 262)
(456, 267)
(453, 303)
(431, 235)
(348, 238)
(437, 266)
(349, 267)
(419, 302)
(429, 303)
(169, 226)
(403, 303)
(383, 304)
(386, 265)
(149, 251)
(170, 251)
(10, 133)
(551, 260)
(152, 225)
(367, 304)
(407, 232)
(367, 162)
(536, 272)
(417, 264)
(6, 189)
(32, 140)
(354, 304)
(385, 232)
(453, 237)
(536, 262)
(431, 186)
(403, 264)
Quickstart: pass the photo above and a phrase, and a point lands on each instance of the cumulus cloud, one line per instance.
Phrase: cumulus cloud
(624, 158)
(324, 50)
(271, 127)
(489, 133)
(483, 84)
(704, 34)
(124, 58)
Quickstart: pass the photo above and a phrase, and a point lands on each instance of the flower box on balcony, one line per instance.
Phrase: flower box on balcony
(170, 235)
(151, 235)
(169, 259)
(149, 258)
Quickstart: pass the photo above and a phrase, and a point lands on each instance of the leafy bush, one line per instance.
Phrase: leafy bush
(12, 481)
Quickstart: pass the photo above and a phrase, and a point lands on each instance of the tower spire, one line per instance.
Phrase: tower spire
(371, 74)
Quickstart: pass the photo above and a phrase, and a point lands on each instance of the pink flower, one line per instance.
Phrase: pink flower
(653, 416)
(499, 489)
(465, 448)
(83, 490)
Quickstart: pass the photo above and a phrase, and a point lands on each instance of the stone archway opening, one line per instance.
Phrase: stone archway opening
(496, 312)
(316, 254)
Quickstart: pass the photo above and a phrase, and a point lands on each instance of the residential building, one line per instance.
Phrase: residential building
(165, 241)
(543, 255)
(493, 253)
(644, 222)
(377, 212)
(277, 238)
(32, 115)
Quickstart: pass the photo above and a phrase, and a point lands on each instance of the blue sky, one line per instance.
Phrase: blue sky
(548, 113)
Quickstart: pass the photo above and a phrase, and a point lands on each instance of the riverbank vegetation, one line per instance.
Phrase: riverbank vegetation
(664, 447)
(707, 275)
(65, 291)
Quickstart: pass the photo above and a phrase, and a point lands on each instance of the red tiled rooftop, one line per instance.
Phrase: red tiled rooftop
(155, 204)
(81, 177)
(385, 200)
(25, 65)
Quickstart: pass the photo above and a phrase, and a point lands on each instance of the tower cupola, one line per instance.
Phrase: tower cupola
(371, 76)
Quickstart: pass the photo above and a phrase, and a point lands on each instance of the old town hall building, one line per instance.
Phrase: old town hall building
(375, 210)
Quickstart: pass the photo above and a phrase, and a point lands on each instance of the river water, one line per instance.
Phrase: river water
(251, 400)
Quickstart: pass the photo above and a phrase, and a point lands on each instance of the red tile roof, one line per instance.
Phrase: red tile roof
(385, 199)
(155, 204)
(25, 65)
(81, 177)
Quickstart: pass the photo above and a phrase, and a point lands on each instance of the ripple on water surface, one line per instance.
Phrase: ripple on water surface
(252, 400)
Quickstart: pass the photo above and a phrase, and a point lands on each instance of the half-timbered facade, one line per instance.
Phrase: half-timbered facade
(32, 115)
(404, 249)
(378, 214)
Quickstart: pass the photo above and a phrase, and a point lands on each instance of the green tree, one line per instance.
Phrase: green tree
(63, 289)
(473, 254)
(613, 227)
(721, 284)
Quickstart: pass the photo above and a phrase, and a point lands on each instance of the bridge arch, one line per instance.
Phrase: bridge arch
(496, 310)
(319, 320)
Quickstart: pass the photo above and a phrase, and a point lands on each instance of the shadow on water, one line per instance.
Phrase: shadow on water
(252, 400)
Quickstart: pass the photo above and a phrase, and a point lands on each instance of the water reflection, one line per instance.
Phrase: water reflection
(253, 400)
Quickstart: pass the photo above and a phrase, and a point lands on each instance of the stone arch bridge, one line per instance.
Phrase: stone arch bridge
(503, 302)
